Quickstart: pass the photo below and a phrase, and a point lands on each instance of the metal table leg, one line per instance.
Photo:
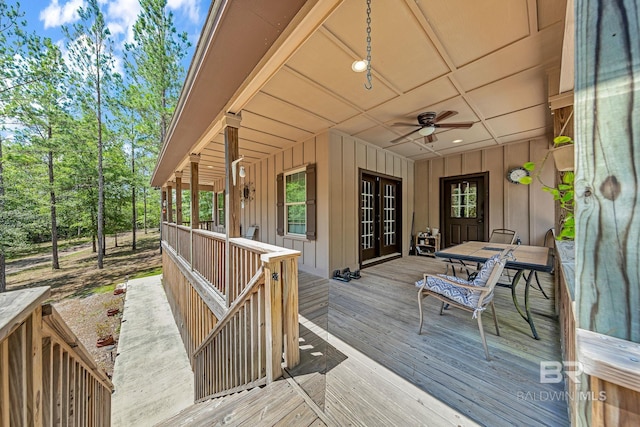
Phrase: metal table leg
(526, 315)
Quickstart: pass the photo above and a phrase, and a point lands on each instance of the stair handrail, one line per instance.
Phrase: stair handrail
(255, 281)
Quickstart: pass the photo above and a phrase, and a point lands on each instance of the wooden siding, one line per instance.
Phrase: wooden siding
(347, 155)
(337, 158)
(524, 208)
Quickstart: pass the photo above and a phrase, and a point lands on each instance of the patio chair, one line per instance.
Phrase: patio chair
(503, 235)
(473, 296)
(549, 241)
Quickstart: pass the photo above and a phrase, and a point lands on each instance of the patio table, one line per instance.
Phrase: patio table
(525, 258)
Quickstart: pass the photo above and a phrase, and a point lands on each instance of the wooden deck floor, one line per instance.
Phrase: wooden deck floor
(363, 363)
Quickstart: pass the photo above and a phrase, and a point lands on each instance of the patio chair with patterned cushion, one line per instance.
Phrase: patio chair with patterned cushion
(473, 296)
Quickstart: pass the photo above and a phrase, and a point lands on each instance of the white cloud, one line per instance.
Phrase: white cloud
(56, 15)
(189, 7)
(122, 14)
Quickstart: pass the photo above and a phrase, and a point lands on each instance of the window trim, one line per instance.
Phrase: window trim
(302, 169)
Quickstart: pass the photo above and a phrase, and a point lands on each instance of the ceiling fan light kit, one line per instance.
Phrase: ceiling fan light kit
(427, 130)
(429, 121)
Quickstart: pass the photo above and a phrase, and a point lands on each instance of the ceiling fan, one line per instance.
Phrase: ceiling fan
(428, 122)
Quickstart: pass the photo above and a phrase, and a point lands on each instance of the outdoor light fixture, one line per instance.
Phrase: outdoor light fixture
(233, 169)
(362, 65)
(359, 66)
(242, 172)
(427, 130)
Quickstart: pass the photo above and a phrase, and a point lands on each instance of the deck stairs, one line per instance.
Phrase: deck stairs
(281, 403)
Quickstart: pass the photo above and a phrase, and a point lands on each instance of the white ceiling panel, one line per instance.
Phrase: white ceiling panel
(517, 92)
(292, 89)
(399, 45)
(465, 36)
(532, 118)
(322, 61)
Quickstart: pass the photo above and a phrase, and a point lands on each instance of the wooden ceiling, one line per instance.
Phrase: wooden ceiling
(495, 62)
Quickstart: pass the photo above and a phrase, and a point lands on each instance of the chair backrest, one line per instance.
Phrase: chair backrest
(502, 235)
(251, 232)
(493, 269)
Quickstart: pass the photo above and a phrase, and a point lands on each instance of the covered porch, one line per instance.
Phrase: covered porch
(270, 99)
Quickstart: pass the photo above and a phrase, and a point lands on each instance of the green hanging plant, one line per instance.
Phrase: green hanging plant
(563, 192)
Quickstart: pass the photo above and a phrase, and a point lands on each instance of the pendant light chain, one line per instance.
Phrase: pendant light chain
(368, 85)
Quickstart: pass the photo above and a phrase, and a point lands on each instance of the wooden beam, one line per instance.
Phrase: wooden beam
(179, 197)
(195, 191)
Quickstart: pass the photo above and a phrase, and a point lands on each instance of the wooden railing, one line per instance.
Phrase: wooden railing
(236, 329)
(260, 331)
(209, 258)
(47, 377)
(183, 242)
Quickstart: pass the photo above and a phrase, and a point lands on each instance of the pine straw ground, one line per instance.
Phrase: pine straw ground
(82, 293)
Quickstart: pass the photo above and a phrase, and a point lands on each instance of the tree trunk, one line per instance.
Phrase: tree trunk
(101, 248)
(144, 197)
(134, 219)
(54, 223)
(3, 276)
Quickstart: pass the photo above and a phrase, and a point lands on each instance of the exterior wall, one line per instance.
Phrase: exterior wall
(262, 210)
(337, 158)
(524, 208)
(347, 155)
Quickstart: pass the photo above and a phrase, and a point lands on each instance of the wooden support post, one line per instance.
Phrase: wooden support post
(195, 192)
(230, 123)
(273, 319)
(232, 196)
(34, 402)
(169, 202)
(179, 197)
(291, 327)
(163, 202)
(607, 184)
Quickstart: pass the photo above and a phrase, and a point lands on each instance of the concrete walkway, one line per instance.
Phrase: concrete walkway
(152, 376)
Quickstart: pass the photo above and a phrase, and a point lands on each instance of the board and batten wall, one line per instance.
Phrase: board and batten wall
(524, 208)
(338, 159)
(347, 156)
(261, 211)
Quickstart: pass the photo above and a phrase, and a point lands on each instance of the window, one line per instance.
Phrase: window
(220, 207)
(296, 202)
(464, 200)
(295, 197)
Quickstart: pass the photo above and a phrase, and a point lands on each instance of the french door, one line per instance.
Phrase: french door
(380, 215)
(464, 212)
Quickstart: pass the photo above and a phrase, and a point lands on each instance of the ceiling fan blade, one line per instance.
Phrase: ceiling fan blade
(405, 124)
(444, 115)
(404, 136)
(465, 125)
(430, 138)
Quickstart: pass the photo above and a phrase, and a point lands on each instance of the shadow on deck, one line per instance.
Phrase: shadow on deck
(363, 363)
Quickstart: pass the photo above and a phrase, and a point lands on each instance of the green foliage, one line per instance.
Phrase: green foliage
(563, 192)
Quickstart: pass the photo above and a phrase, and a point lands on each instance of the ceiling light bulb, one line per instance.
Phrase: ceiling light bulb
(455, 141)
(427, 130)
(359, 66)
(242, 172)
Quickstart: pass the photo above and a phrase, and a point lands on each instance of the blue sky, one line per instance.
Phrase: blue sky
(46, 17)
